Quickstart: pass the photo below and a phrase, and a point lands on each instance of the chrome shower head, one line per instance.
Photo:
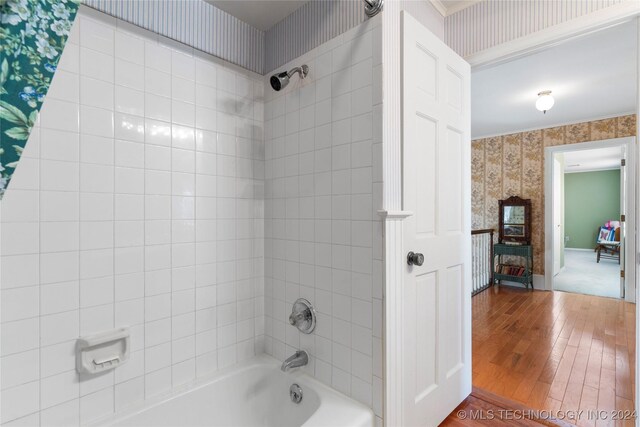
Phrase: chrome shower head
(280, 80)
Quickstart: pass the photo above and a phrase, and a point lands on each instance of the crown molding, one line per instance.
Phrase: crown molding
(461, 6)
(450, 10)
(554, 125)
(440, 7)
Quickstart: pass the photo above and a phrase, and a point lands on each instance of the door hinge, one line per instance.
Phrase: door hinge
(622, 218)
(623, 162)
(622, 273)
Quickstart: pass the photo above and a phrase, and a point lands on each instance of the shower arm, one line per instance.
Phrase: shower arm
(303, 71)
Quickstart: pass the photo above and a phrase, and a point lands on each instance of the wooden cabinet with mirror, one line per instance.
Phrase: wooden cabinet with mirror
(515, 220)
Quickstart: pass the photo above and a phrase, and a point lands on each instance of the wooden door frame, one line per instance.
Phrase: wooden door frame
(630, 248)
(392, 214)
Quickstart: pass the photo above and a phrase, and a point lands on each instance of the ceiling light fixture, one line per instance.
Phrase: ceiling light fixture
(545, 101)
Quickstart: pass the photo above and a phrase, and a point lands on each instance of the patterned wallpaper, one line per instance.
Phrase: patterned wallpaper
(492, 22)
(508, 165)
(33, 35)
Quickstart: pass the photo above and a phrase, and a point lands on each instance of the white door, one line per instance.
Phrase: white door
(558, 176)
(623, 212)
(436, 325)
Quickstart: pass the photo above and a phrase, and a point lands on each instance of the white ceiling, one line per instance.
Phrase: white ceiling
(261, 14)
(593, 76)
(590, 160)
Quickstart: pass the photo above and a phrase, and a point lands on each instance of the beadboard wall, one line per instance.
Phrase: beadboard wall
(492, 22)
(319, 21)
(195, 23)
(203, 26)
(138, 201)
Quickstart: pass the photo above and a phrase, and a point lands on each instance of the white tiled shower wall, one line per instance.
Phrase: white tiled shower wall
(138, 201)
(323, 235)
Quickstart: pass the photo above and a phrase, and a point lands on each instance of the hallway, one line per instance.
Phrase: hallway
(555, 350)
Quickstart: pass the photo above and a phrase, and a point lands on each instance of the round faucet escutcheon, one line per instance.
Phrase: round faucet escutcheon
(303, 316)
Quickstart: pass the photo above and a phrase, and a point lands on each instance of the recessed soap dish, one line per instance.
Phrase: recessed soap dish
(103, 351)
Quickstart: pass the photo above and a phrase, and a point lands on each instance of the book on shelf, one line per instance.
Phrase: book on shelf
(511, 270)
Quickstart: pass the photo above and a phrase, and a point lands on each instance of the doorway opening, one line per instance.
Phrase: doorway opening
(546, 349)
(588, 203)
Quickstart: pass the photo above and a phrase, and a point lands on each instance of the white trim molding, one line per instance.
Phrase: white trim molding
(450, 10)
(395, 214)
(538, 283)
(630, 248)
(392, 314)
(440, 7)
(555, 124)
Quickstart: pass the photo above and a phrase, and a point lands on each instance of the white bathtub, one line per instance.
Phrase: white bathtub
(256, 393)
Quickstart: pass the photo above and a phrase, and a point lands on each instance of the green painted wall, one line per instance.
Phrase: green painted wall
(590, 199)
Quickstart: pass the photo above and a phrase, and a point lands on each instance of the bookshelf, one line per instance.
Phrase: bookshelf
(504, 268)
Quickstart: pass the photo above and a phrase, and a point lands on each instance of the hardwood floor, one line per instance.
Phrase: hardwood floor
(505, 413)
(555, 350)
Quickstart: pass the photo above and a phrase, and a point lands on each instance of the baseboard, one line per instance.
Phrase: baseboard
(538, 283)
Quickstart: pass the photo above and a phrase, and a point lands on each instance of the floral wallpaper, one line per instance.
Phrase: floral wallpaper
(32, 37)
(509, 165)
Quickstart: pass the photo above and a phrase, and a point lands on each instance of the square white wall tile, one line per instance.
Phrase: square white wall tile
(319, 213)
(100, 231)
(153, 165)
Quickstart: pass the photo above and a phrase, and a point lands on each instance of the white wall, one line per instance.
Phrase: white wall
(323, 238)
(138, 202)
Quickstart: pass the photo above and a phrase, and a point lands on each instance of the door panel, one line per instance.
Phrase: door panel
(428, 63)
(453, 178)
(426, 310)
(424, 180)
(453, 321)
(436, 326)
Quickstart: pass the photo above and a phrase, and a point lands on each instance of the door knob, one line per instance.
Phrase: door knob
(415, 259)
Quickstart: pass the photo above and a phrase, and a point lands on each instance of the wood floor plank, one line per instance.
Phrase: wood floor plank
(555, 350)
(589, 404)
(503, 413)
(623, 373)
(625, 408)
(561, 378)
(592, 377)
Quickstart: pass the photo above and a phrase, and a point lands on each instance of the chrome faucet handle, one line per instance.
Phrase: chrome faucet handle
(294, 318)
(303, 316)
